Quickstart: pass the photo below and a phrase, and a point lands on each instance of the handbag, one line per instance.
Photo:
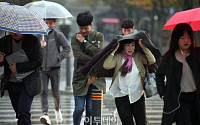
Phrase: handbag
(149, 83)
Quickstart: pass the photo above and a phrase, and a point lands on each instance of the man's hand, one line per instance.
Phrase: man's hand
(43, 43)
(80, 38)
(91, 79)
(2, 57)
(13, 67)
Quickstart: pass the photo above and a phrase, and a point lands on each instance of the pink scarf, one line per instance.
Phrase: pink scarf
(127, 65)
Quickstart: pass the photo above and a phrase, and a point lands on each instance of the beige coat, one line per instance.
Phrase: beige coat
(139, 58)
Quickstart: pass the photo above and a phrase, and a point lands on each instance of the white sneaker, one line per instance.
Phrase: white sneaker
(58, 115)
(45, 120)
(115, 113)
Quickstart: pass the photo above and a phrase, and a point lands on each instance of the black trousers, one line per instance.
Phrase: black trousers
(186, 114)
(127, 111)
(21, 102)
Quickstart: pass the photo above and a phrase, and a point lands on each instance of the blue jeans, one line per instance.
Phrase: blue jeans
(79, 107)
(21, 102)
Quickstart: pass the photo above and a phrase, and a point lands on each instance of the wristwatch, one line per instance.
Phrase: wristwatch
(85, 41)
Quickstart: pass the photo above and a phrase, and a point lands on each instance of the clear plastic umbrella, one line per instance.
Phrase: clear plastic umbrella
(47, 9)
(20, 20)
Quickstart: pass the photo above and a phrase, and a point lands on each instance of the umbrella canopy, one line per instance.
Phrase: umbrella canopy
(191, 17)
(48, 9)
(20, 20)
(95, 65)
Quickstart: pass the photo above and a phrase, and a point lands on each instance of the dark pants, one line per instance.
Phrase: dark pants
(127, 111)
(186, 114)
(21, 102)
(54, 76)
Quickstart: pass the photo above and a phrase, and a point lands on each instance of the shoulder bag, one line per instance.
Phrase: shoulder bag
(149, 83)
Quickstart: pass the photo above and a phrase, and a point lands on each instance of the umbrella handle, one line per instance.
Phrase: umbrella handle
(42, 36)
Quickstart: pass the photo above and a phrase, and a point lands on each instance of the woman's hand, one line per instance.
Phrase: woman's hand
(91, 79)
(141, 44)
(113, 52)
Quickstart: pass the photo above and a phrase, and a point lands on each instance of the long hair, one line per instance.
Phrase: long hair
(179, 31)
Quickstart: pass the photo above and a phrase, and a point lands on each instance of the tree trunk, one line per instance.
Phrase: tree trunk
(187, 4)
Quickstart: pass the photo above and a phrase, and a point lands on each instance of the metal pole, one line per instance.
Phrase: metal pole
(68, 72)
(97, 102)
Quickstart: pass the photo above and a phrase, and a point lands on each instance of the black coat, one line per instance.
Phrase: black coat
(172, 69)
(32, 48)
(95, 65)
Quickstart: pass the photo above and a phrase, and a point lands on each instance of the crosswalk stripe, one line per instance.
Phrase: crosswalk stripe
(7, 115)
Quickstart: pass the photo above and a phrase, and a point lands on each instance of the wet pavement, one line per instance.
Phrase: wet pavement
(7, 115)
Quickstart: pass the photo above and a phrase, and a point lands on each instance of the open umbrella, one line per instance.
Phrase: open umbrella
(20, 20)
(191, 17)
(47, 9)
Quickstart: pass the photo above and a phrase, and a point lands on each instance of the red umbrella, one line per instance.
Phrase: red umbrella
(191, 17)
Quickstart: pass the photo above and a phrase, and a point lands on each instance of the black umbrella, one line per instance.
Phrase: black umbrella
(95, 65)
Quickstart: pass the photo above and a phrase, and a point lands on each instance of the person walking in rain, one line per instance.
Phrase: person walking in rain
(181, 67)
(85, 44)
(50, 69)
(22, 90)
(126, 86)
(127, 27)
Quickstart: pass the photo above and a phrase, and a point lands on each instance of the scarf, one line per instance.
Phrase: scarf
(127, 65)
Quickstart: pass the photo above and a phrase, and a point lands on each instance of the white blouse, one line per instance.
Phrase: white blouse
(130, 85)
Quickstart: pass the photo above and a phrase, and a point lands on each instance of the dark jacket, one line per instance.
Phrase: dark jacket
(83, 52)
(95, 64)
(32, 48)
(172, 69)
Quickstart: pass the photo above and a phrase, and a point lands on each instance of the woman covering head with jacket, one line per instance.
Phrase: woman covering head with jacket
(181, 67)
(126, 85)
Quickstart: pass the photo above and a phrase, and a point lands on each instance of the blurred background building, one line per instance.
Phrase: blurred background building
(148, 15)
